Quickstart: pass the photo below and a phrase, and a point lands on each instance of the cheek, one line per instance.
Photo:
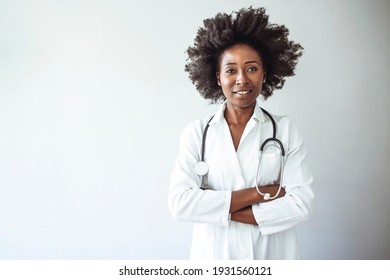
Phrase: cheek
(226, 82)
(226, 87)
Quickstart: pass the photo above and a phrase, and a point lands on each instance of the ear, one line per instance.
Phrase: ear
(218, 80)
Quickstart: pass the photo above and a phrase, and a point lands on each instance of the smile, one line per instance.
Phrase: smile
(242, 92)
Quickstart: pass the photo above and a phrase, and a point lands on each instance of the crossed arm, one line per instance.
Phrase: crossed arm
(242, 201)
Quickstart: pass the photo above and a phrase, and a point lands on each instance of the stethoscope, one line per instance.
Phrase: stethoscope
(202, 168)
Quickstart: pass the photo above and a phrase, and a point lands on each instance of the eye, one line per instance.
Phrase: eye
(252, 69)
(230, 71)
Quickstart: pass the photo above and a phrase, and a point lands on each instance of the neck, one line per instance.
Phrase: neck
(237, 115)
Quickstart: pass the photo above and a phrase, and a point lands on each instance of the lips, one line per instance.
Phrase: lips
(242, 91)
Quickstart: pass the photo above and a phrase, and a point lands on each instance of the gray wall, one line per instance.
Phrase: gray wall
(93, 98)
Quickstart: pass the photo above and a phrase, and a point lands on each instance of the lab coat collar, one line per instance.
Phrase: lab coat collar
(258, 114)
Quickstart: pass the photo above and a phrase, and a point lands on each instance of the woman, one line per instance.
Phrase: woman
(238, 208)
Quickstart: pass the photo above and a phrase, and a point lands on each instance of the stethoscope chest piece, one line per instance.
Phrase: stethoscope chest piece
(201, 168)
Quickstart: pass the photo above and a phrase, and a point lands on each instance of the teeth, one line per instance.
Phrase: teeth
(242, 92)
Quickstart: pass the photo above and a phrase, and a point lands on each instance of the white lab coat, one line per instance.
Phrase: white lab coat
(214, 235)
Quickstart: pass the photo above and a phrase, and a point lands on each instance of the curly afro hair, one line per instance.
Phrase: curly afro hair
(248, 26)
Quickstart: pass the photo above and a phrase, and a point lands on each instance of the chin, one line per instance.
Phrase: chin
(242, 104)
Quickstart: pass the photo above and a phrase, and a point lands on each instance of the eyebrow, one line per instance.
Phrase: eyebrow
(247, 62)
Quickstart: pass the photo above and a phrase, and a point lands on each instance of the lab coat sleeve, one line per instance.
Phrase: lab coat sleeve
(296, 206)
(187, 202)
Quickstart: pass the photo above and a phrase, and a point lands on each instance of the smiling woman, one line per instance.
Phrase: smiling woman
(240, 75)
(236, 213)
(279, 55)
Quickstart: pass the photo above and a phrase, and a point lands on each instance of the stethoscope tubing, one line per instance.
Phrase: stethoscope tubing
(202, 167)
(267, 196)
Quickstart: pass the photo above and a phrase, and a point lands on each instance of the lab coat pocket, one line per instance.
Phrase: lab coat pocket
(269, 169)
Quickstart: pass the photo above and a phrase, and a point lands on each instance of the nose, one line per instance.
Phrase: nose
(241, 79)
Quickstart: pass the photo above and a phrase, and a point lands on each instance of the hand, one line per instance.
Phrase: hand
(247, 197)
(272, 190)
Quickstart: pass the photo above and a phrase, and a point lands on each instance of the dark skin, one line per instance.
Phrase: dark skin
(241, 75)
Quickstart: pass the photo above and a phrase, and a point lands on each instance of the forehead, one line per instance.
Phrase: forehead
(239, 53)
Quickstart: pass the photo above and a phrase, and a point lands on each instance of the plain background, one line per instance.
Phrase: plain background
(93, 98)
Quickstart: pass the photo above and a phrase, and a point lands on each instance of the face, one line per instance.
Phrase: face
(240, 75)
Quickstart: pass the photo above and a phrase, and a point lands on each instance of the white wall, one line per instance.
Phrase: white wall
(93, 98)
